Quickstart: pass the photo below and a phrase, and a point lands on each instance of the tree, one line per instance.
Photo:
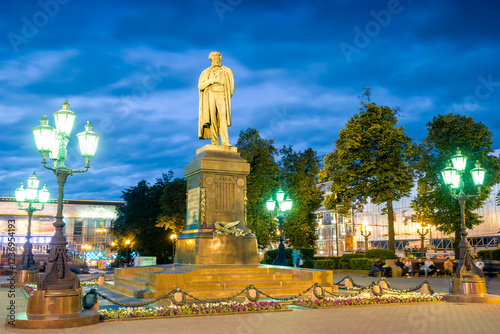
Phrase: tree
(137, 219)
(372, 160)
(173, 206)
(261, 183)
(298, 171)
(434, 203)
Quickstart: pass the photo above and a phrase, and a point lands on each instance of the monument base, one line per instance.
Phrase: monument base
(468, 286)
(53, 309)
(27, 276)
(217, 250)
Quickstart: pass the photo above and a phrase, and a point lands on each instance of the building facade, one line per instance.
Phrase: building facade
(87, 223)
(483, 236)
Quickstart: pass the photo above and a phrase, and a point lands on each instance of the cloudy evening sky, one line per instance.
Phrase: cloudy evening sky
(132, 68)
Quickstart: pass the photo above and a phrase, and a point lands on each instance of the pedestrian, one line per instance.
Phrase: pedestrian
(295, 258)
(408, 265)
(377, 266)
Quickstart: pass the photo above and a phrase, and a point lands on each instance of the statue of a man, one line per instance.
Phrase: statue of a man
(216, 87)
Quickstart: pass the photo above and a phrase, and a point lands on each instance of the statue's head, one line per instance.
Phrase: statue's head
(215, 58)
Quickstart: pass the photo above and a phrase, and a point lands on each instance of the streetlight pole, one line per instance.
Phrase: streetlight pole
(26, 268)
(52, 142)
(422, 231)
(280, 211)
(366, 232)
(173, 237)
(469, 279)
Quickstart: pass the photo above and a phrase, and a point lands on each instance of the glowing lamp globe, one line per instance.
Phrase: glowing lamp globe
(478, 174)
(44, 194)
(20, 193)
(459, 161)
(44, 135)
(88, 141)
(64, 119)
(449, 175)
(287, 205)
(271, 204)
(280, 195)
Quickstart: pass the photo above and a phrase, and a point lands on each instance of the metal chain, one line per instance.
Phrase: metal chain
(136, 304)
(221, 300)
(287, 298)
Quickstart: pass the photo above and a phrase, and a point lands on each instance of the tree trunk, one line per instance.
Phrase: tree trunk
(390, 213)
(458, 238)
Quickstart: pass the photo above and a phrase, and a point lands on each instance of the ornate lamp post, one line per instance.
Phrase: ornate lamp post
(469, 279)
(366, 231)
(58, 293)
(280, 211)
(26, 268)
(422, 231)
(173, 237)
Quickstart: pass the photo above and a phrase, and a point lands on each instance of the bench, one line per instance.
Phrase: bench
(491, 268)
(439, 268)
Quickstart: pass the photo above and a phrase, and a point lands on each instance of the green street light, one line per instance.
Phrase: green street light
(469, 279)
(52, 143)
(280, 211)
(29, 196)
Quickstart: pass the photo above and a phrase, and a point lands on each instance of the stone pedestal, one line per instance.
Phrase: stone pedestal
(27, 276)
(216, 231)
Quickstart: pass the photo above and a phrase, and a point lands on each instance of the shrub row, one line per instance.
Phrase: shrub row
(489, 254)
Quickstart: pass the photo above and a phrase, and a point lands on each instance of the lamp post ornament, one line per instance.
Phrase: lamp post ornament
(280, 211)
(366, 232)
(29, 195)
(52, 143)
(469, 278)
(422, 231)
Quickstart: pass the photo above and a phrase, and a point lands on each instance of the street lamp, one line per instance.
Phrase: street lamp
(366, 231)
(422, 231)
(26, 267)
(173, 237)
(52, 143)
(469, 279)
(86, 248)
(280, 211)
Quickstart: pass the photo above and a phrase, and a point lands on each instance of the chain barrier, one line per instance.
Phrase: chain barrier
(258, 292)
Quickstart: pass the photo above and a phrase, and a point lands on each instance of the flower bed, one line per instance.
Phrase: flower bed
(194, 309)
(381, 300)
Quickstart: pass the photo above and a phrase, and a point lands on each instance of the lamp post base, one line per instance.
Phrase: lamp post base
(27, 276)
(468, 286)
(281, 258)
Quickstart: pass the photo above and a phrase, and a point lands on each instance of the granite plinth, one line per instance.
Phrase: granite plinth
(216, 188)
(26, 321)
(481, 299)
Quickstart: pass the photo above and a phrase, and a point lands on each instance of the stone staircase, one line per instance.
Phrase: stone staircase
(216, 282)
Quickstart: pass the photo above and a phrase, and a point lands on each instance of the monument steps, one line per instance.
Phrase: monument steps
(129, 290)
(241, 277)
(135, 281)
(241, 284)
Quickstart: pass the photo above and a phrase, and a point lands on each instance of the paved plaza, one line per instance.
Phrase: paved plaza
(421, 318)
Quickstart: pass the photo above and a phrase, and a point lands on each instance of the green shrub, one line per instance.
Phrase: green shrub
(328, 264)
(361, 264)
(348, 257)
(495, 254)
(485, 254)
(383, 254)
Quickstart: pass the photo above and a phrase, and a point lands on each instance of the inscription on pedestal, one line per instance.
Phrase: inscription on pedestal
(193, 208)
(224, 194)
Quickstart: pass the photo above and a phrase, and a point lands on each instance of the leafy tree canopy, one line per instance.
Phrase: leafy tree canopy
(372, 159)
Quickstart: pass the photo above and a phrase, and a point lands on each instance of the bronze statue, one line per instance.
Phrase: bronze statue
(216, 87)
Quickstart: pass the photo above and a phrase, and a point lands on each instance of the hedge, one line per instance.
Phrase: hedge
(383, 254)
(361, 264)
(484, 254)
(489, 254)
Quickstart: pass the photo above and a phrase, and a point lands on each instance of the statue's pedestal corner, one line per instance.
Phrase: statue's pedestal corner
(211, 147)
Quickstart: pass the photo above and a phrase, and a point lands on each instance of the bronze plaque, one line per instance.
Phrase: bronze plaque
(193, 208)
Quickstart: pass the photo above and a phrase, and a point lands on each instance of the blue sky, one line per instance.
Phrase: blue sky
(132, 68)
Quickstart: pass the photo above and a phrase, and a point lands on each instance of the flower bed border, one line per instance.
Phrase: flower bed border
(191, 315)
(368, 305)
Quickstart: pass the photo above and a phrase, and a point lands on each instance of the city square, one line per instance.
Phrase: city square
(251, 167)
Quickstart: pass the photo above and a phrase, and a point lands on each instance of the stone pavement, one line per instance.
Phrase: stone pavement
(423, 318)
